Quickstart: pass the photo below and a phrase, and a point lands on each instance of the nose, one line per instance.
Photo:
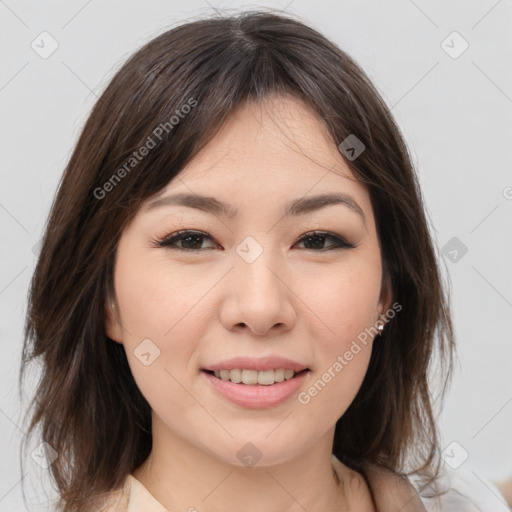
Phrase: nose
(258, 296)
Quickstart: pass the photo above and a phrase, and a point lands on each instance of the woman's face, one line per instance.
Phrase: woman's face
(252, 286)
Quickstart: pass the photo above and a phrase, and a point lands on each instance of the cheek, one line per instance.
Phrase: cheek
(155, 296)
(159, 341)
(344, 304)
(155, 317)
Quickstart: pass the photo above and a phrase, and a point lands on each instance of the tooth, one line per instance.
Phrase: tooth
(288, 374)
(266, 377)
(235, 376)
(279, 375)
(249, 376)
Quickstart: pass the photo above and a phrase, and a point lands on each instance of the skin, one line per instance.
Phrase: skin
(296, 300)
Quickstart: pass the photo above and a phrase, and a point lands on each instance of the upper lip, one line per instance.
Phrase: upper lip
(257, 363)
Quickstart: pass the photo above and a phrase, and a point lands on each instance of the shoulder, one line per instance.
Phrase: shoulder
(132, 496)
(461, 490)
(139, 498)
(113, 501)
(392, 492)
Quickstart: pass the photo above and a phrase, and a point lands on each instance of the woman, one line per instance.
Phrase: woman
(265, 370)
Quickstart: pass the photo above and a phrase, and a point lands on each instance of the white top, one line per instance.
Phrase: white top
(468, 492)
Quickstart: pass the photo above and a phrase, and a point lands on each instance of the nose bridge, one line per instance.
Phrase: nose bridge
(256, 265)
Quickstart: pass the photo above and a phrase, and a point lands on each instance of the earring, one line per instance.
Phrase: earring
(380, 327)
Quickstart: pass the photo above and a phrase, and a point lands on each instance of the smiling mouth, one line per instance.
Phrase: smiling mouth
(255, 377)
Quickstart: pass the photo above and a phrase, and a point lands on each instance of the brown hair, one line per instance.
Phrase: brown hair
(87, 404)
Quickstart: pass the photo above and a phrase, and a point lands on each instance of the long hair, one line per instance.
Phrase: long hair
(87, 405)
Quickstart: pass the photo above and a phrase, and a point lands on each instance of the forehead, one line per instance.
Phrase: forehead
(278, 146)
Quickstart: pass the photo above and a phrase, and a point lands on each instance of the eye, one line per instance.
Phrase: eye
(317, 238)
(192, 241)
(190, 238)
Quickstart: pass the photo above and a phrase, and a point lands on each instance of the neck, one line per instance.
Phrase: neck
(181, 476)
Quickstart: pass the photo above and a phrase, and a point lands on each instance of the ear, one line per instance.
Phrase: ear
(386, 296)
(112, 325)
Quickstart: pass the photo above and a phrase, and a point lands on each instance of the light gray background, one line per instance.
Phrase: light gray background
(456, 115)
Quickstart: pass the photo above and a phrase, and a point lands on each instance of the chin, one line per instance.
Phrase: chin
(259, 450)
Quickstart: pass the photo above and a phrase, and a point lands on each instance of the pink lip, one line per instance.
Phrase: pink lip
(257, 363)
(256, 396)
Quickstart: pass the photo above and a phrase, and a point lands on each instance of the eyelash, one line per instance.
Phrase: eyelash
(169, 240)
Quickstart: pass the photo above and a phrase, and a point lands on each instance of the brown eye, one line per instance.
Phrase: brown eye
(191, 240)
(317, 239)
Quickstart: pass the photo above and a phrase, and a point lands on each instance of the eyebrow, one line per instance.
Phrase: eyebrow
(297, 207)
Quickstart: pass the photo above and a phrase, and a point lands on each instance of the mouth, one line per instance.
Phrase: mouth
(254, 377)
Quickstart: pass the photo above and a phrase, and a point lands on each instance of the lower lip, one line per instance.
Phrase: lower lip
(256, 396)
